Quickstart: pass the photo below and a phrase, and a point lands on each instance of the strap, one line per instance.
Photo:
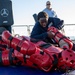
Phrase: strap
(10, 56)
(18, 48)
(19, 45)
(45, 45)
(62, 38)
(24, 56)
(56, 34)
(3, 46)
(42, 52)
(55, 60)
(10, 38)
(1, 63)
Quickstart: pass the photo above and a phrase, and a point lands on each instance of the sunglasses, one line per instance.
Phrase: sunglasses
(48, 4)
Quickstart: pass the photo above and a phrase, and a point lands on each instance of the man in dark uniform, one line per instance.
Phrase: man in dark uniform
(40, 30)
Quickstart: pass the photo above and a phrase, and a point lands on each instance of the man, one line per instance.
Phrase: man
(40, 30)
(49, 11)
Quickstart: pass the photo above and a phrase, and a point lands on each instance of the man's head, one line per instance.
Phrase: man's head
(48, 4)
(43, 18)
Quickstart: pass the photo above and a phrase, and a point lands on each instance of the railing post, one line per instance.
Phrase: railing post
(28, 29)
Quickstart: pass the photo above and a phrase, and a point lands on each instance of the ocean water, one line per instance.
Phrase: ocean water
(26, 30)
(70, 31)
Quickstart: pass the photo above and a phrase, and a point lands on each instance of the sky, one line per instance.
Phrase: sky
(23, 10)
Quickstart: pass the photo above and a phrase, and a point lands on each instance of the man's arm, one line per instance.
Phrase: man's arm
(57, 23)
(39, 36)
(38, 32)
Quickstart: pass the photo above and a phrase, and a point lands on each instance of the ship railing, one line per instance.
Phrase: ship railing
(26, 30)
